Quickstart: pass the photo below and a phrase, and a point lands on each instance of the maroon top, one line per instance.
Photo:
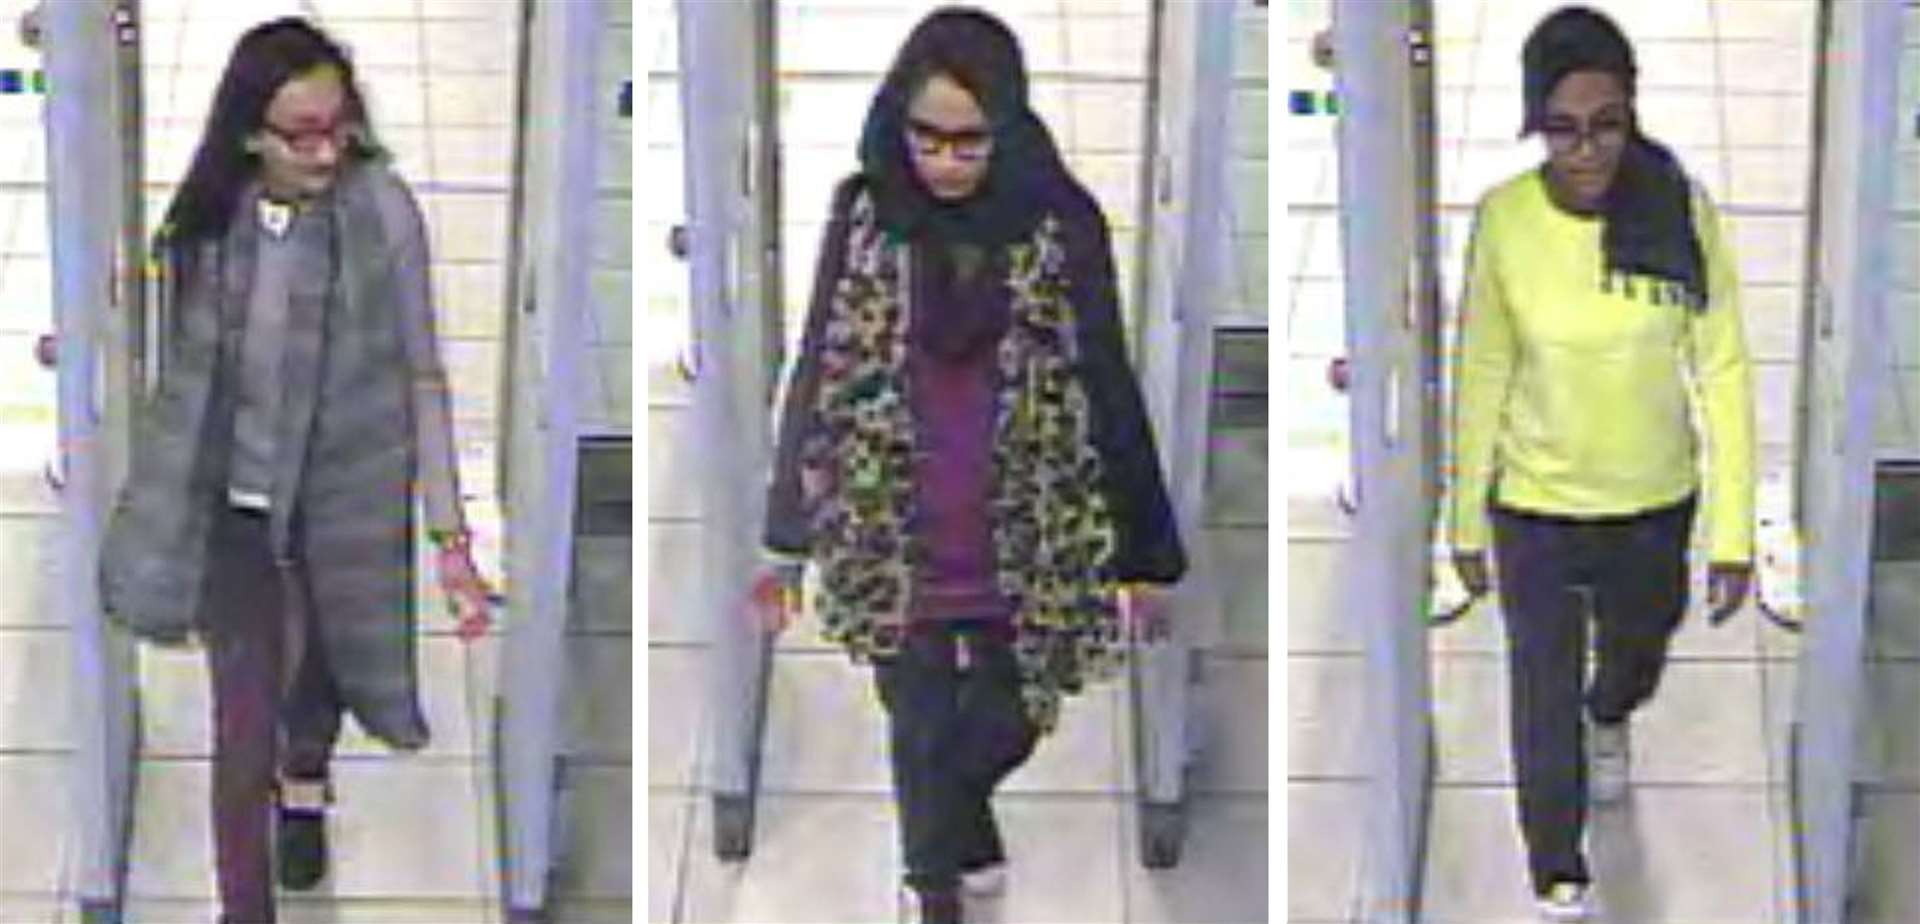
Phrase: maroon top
(953, 405)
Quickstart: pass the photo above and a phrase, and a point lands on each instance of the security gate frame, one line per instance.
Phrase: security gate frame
(1383, 79)
(1840, 386)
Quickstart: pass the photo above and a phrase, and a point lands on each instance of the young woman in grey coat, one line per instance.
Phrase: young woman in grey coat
(268, 510)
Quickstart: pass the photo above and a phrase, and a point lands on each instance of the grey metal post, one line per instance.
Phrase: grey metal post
(725, 150)
(81, 143)
(1193, 257)
(541, 540)
(1379, 215)
(1855, 243)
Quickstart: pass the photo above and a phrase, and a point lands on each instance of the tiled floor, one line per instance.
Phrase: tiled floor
(1705, 836)
(414, 836)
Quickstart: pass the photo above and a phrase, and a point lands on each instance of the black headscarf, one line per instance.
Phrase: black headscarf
(961, 245)
(1648, 209)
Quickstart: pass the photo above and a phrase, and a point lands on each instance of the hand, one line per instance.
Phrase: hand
(1472, 569)
(468, 596)
(774, 597)
(1148, 611)
(1728, 584)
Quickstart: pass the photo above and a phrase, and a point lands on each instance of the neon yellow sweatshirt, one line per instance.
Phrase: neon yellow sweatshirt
(1576, 401)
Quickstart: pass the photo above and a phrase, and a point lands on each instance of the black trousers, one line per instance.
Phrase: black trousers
(1636, 570)
(958, 728)
(271, 712)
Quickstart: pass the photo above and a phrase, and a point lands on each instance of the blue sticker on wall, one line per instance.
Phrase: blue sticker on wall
(1300, 102)
(626, 99)
(10, 81)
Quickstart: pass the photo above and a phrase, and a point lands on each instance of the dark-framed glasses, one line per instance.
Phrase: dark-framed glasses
(972, 144)
(1605, 132)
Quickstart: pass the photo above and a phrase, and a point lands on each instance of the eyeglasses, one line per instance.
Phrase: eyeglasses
(972, 144)
(1604, 133)
(339, 134)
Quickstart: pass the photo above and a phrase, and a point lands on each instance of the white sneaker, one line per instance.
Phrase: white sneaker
(1611, 757)
(1564, 902)
(985, 882)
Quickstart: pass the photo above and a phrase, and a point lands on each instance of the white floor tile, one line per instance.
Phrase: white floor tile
(790, 879)
(1675, 855)
(1232, 715)
(1476, 868)
(1471, 720)
(1063, 856)
(1080, 755)
(308, 910)
(36, 690)
(1892, 752)
(676, 707)
(28, 556)
(672, 595)
(672, 464)
(1888, 891)
(826, 730)
(1317, 620)
(1323, 849)
(668, 850)
(594, 857)
(1241, 566)
(1325, 698)
(172, 846)
(40, 909)
(600, 697)
(1704, 725)
(37, 836)
(1687, 854)
(1222, 875)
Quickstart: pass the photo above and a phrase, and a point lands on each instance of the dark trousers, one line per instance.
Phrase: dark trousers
(267, 681)
(1636, 570)
(958, 728)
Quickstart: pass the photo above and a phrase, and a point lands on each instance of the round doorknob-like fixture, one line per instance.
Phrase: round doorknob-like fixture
(30, 27)
(1339, 375)
(677, 242)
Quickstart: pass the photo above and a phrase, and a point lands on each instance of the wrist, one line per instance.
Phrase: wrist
(450, 540)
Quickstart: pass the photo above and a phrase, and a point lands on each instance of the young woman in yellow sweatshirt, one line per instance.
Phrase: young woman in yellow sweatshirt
(1599, 323)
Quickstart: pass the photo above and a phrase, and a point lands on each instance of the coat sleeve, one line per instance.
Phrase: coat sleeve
(1717, 351)
(786, 532)
(1148, 536)
(432, 401)
(1484, 369)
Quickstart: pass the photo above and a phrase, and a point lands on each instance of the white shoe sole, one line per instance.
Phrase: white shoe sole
(986, 882)
(1560, 914)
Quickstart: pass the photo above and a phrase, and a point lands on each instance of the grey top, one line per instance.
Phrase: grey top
(294, 272)
(294, 265)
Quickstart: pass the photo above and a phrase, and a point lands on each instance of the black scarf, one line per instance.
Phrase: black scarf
(1648, 209)
(960, 246)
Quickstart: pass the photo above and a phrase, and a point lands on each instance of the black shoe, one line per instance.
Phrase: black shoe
(302, 848)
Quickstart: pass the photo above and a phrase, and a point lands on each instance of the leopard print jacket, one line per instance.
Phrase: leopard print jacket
(1053, 535)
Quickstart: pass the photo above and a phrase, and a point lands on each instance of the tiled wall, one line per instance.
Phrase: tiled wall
(1900, 428)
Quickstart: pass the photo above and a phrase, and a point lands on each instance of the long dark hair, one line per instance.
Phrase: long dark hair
(981, 54)
(1024, 177)
(1649, 208)
(265, 58)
